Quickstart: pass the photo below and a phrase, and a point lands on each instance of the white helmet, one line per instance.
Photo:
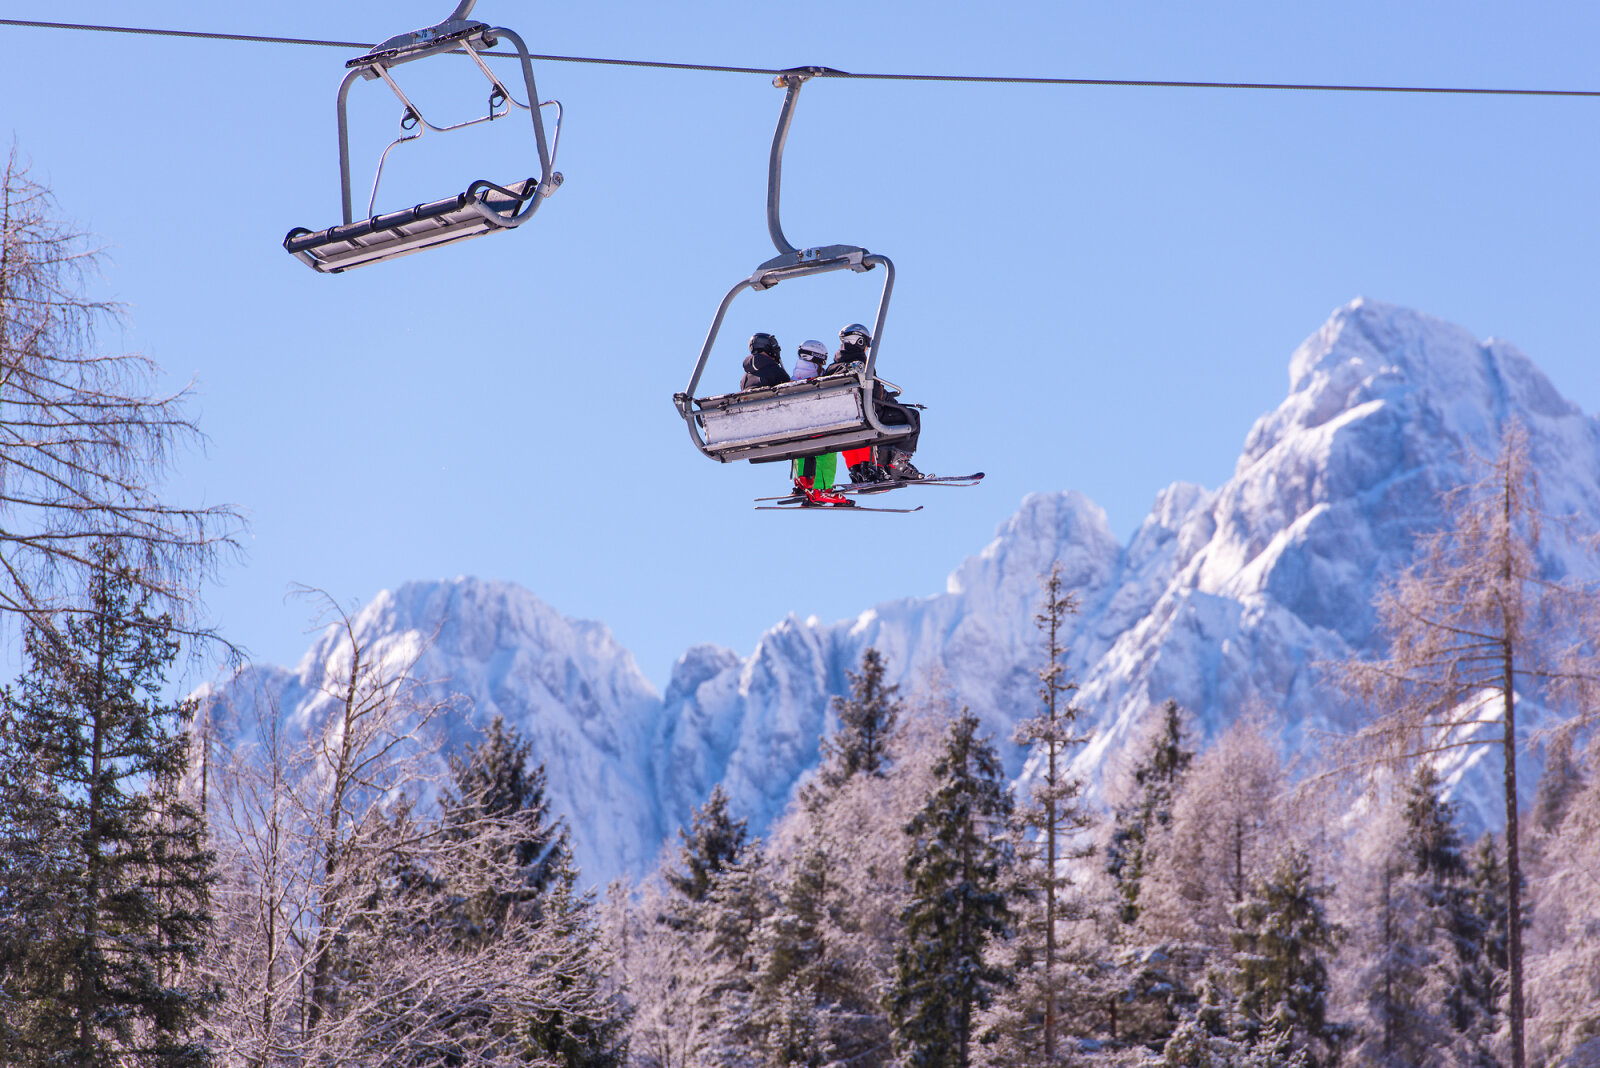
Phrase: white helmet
(815, 351)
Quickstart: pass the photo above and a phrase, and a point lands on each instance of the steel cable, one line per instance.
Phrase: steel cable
(824, 72)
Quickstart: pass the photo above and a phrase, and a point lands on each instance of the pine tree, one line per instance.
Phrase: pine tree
(957, 907)
(497, 784)
(1053, 814)
(1474, 1000)
(713, 841)
(1156, 780)
(1415, 932)
(592, 1034)
(867, 722)
(497, 793)
(94, 759)
(1282, 972)
(817, 1001)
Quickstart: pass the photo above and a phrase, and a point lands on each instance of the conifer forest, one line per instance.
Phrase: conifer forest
(349, 891)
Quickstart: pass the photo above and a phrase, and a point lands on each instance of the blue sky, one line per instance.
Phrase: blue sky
(1098, 288)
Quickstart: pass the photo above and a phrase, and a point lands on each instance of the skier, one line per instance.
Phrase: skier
(763, 367)
(892, 462)
(813, 475)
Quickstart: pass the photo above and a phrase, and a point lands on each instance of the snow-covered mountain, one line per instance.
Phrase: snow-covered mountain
(1223, 599)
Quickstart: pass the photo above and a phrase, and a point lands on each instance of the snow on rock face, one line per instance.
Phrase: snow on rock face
(492, 648)
(1225, 600)
(1276, 571)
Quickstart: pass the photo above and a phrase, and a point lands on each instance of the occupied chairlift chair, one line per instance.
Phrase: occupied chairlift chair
(484, 208)
(795, 419)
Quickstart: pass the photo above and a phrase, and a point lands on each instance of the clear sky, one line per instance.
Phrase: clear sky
(1098, 288)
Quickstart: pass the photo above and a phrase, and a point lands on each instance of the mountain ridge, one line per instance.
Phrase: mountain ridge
(1223, 599)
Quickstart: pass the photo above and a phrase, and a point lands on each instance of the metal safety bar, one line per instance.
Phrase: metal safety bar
(452, 35)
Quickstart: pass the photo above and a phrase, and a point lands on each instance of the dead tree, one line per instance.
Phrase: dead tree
(84, 444)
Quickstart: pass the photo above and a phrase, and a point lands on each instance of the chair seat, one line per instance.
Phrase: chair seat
(399, 233)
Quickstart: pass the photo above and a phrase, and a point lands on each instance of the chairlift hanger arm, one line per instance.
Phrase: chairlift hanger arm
(791, 81)
(454, 34)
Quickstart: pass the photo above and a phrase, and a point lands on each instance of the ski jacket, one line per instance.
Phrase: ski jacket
(760, 369)
(844, 358)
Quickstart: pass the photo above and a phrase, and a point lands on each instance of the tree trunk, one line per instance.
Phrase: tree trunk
(1513, 862)
(88, 969)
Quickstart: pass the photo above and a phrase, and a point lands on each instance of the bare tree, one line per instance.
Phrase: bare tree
(1231, 816)
(1471, 621)
(83, 441)
(341, 937)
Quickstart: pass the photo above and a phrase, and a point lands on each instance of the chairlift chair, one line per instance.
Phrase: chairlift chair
(484, 208)
(829, 413)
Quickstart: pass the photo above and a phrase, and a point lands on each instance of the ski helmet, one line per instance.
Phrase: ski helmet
(815, 351)
(855, 334)
(764, 343)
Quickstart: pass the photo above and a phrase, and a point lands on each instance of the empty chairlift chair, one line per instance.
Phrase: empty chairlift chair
(485, 207)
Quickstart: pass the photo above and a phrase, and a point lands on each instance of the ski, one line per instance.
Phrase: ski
(884, 487)
(829, 508)
(894, 484)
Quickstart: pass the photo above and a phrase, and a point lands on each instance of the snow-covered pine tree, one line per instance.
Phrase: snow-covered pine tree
(1564, 958)
(1155, 783)
(713, 840)
(1048, 825)
(957, 906)
(816, 993)
(868, 719)
(726, 926)
(498, 781)
(120, 898)
(1414, 933)
(498, 793)
(1281, 973)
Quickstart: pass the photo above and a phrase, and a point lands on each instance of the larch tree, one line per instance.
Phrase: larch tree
(1475, 619)
(957, 906)
(1230, 818)
(111, 900)
(84, 443)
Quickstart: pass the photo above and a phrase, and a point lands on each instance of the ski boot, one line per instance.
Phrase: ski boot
(811, 497)
(901, 469)
(867, 471)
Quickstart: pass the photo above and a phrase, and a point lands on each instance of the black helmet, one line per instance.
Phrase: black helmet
(764, 343)
(855, 334)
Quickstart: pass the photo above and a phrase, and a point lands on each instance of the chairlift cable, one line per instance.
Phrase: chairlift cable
(824, 72)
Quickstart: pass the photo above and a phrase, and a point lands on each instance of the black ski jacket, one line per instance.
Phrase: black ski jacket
(843, 359)
(760, 369)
